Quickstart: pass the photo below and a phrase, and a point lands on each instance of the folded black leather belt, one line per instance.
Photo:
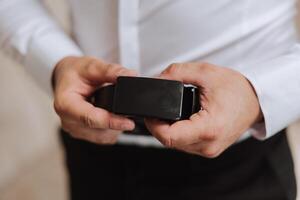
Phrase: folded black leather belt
(139, 98)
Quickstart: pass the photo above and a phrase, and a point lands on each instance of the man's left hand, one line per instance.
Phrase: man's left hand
(229, 107)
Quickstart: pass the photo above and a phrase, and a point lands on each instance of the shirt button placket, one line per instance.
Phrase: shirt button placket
(128, 34)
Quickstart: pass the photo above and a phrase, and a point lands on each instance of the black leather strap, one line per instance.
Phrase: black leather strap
(139, 97)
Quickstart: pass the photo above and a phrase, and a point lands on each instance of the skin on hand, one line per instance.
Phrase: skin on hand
(230, 106)
(75, 79)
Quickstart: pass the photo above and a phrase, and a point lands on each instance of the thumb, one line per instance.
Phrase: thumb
(99, 72)
(189, 73)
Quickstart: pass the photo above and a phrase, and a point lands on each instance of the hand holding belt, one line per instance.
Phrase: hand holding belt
(140, 98)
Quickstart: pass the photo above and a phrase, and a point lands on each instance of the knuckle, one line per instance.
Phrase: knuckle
(206, 67)
(93, 61)
(65, 127)
(211, 132)
(86, 57)
(106, 138)
(210, 152)
(104, 121)
(59, 106)
(87, 120)
(75, 135)
(204, 64)
(114, 124)
(167, 141)
(208, 136)
(173, 69)
(111, 124)
(115, 68)
(218, 129)
(92, 65)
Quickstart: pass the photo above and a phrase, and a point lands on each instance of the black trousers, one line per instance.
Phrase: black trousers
(250, 170)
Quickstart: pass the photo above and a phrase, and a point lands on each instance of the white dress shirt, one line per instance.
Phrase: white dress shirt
(254, 37)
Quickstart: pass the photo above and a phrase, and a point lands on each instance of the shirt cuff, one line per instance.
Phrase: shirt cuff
(44, 52)
(258, 130)
(276, 83)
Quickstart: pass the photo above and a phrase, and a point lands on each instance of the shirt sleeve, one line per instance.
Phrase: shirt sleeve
(277, 84)
(31, 36)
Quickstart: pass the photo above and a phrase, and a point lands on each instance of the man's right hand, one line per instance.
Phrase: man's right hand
(75, 79)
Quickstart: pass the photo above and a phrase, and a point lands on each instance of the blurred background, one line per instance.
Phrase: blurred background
(31, 156)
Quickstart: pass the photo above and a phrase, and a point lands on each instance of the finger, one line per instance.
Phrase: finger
(99, 72)
(168, 135)
(183, 132)
(204, 148)
(76, 108)
(189, 73)
(99, 136)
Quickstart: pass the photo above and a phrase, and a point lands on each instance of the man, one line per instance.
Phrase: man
(243, 54)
